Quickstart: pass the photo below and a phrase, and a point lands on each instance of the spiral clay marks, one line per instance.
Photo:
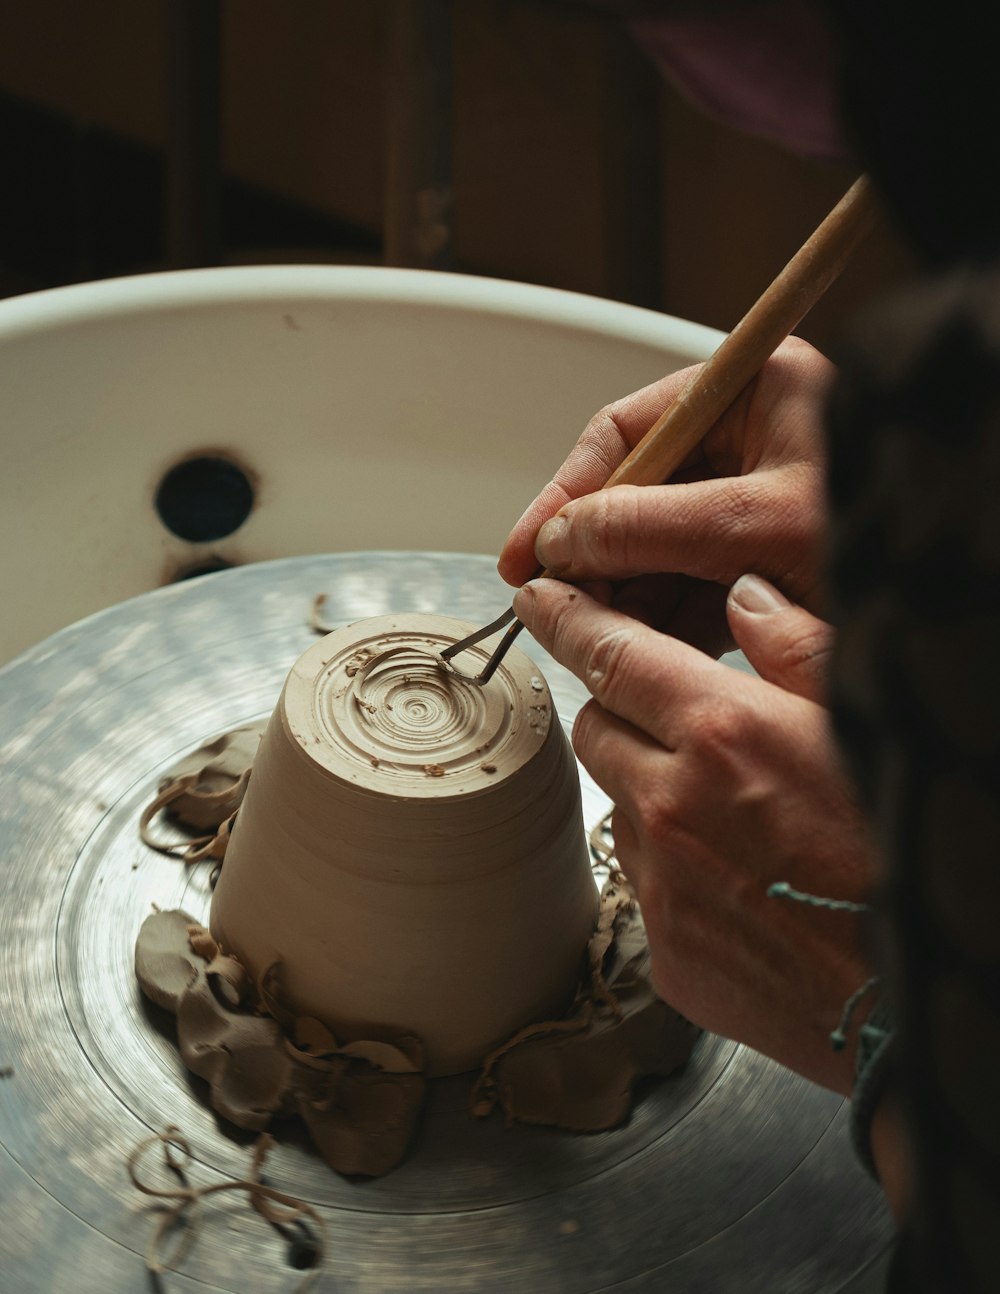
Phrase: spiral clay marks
(394, 704)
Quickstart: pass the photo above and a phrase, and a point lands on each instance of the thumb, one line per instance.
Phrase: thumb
(785, 644)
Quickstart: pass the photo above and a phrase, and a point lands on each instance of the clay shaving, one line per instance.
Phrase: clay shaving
(579, 1073)
(359, 1101)
(360, 669)
(601, 841)
(276, 1207)
(203, 794)
(316, 622)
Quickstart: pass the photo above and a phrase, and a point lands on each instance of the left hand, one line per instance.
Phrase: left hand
(749, 495)
(724, 783)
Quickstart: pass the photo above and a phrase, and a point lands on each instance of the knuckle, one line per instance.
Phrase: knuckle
(713, 730)
(807, 646)
(607, 668)
(609, 530)
(797, 359)
(793, 345)
(603, 443)
(806, 653)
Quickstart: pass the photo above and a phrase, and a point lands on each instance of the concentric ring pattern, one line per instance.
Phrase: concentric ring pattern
(389, 703)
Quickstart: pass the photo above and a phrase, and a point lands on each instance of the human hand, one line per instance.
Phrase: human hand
(723, 784)
(748, 498)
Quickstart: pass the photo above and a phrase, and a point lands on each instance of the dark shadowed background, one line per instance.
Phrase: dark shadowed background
(526, 139)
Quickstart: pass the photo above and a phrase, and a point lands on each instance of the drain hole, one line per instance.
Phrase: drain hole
(204, 499)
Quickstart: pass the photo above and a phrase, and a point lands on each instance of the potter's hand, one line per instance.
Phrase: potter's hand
(749, 498)
(723, 784)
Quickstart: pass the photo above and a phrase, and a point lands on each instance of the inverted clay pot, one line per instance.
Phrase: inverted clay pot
(410, 852)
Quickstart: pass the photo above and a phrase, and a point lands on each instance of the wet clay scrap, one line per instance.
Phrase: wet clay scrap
(360, 1102)
(579, 1072)
(202, 793)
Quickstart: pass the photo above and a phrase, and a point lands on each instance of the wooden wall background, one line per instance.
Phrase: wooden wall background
(573, 164)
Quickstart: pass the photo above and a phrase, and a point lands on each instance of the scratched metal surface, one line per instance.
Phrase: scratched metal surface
(732, 1176)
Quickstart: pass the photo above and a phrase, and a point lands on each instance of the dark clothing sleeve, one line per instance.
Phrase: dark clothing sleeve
(915, 566)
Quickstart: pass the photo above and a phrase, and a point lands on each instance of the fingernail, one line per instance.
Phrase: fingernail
(523, 602)
(751, 593)
(552, 546)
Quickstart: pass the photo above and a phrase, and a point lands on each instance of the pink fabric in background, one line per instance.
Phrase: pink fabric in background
(763, 66)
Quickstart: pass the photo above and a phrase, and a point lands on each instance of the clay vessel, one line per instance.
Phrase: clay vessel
(411, 850)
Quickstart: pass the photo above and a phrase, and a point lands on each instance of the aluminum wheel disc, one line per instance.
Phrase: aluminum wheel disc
(732, 1176)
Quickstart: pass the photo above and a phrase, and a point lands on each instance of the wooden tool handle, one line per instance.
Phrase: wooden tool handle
(746, 350)
(715, 386)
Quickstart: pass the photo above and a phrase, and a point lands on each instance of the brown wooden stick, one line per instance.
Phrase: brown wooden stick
(717, 383)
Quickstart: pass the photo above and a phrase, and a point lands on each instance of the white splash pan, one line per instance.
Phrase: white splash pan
(376, 409)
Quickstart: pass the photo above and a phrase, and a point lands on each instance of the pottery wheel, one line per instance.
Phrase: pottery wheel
(733, 1175)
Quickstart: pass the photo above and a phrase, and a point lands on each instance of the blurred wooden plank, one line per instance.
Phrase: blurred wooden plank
(736, 207)
(194, 151)
(528, 153)
(631, 156)
(304, 102)
(419, 136)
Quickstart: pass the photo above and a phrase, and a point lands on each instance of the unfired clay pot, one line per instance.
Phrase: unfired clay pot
(411, 849)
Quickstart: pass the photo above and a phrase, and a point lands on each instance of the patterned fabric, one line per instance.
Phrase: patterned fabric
(915, 568)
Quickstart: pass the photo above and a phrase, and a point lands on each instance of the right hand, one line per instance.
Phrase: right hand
(724, 783)
(750, 497)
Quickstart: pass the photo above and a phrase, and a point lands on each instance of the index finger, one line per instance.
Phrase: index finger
(606, 440)
(631, 670)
